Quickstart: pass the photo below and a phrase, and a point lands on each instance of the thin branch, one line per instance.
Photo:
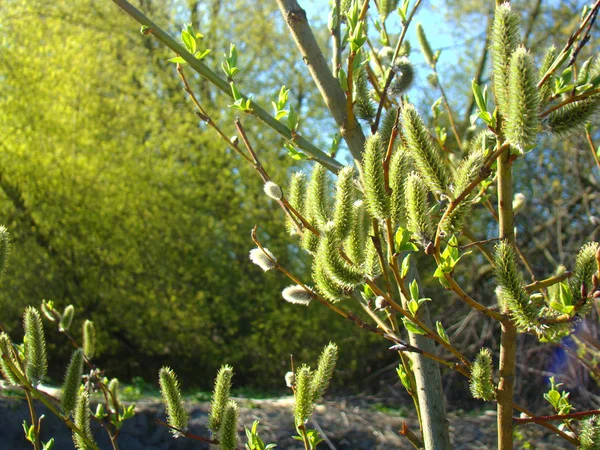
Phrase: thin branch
(538, 419)
(588, 136)
(187, 434)
(313, 152)
(328, 86)
(537, 285)
(391, 74)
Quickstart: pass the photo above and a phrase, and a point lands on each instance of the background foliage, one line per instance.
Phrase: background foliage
(119, 202)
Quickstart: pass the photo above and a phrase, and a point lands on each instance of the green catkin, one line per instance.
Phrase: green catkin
(376, 198)
(67, 318)
(339, 271)
(589, 436)
(72, 382)
(426, 156)
(522, 116)
(354, 245)
(220, 397)
(546, 87)
(419, 221)
(405, 75)
(483, 141)
(325, 368)
(363, 105)
(573, 116)
(386, 7)
(511, 288)
(36, 362)
(481, 383)
(399, 170)
(504, 41)
(169, 388)
(81, 417)
(585, 267)
(228, 437)
(345, 196)
(89, 339)
(467, 172)
(4, 248)
(425, 47)
(304, 406)
(113, 388)
(316, 205)
(6, 349)
(296, 198)
(325, 285)
(387, 124)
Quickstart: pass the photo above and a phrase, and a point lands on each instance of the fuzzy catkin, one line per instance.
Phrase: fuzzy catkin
(345, 196)
(504, 41)
(72, 382)
(511, 288)
(376, 198)
(340, 272)
(425, 46)
(220, 397)
(89, 339)
(6, 349)
(36, 362)
(324, 372)
(4, 248)
(304, 406)
(81, 417)
(67, 318)
(399, 170)
(546, 87)
(574, 116)
(228, 437)
(177, 416)
(522, 115)
(426, 156)
(481, 383)
(354, 245)
(419, 221)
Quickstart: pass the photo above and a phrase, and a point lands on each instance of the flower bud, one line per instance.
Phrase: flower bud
(273, 191)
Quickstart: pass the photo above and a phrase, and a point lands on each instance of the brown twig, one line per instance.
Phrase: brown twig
(187, 434)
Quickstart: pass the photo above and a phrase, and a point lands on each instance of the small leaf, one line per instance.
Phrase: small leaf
(411, 327)
(178, 60)
(405, 266)
(189, 41)
(414, 289)
(441, 331)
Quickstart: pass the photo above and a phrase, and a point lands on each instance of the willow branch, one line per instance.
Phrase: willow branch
(311, 150)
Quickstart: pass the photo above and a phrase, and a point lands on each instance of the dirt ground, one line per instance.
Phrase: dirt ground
(355, 423)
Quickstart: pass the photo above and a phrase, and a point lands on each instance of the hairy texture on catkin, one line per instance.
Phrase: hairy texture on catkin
(354, 245)
(220, 397)
(504, 41)
(325, 285)
(7, 350)
(113, 388)
(399, 170)
(89, 339)
(419, 221)
(297, 295)
(296, 198)
(325, 368)
(36, 362)
(589, 436)
(522, 117)
(511, 288)
(345, 196)
(228, 437)
(546, 87)
(169, 388)
(467, 172)
(483, 141)
(4, 248)
(303, 407)
(340, 272)
(574, 116)
(481, 383)
(405, 75)
(81, 417)
(585, 267)
(425, 47)
(363, 106)
(387, 124)
(72, 382)
(316, 206)
(376, 198)
(426, 156)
